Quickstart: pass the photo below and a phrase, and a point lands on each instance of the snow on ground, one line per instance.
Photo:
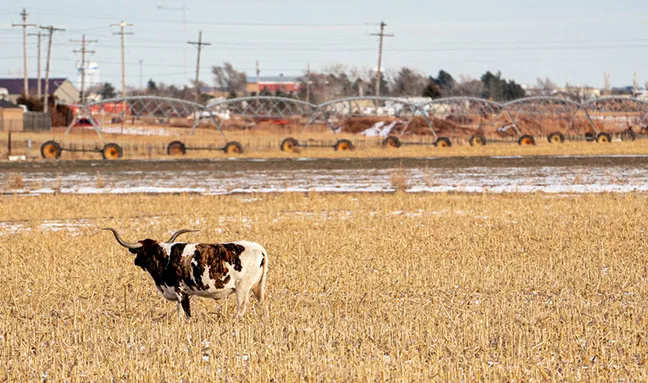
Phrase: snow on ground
(134, 130)
(556, 179)
(380, 129)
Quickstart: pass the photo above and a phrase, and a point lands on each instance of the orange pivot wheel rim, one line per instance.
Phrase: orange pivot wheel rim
(50, 151)
(112, 153)
(526, 141)
(175, 150)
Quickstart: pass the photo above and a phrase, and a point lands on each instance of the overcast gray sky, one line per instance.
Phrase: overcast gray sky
(565, 40)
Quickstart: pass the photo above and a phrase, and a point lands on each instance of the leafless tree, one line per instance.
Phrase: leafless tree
(407, 82)
(545, 86)
(467, 87)
(229, 79)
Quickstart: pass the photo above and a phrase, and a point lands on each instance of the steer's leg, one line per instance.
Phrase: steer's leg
(242, 295)
(184, 302)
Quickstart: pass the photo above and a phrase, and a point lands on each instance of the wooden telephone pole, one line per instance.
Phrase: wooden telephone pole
(83, 51)
(38, 64)
(123, 33)
(24, 26)
(199, 44)
(51, 31)
(380, 50)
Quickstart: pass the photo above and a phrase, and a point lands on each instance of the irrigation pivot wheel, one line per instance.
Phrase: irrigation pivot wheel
(343, 145)
(176, 148)
(111, 152)
(526, 140)
(392, 142)
(556, 138)
(628, 135)
(288, 145)
(443, 142)
(233, 147)
(477, 140)
(51, 150)
(603, 137)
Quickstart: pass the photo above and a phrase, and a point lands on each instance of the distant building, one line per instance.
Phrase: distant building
(286, 84)
(273, 84)
(11, 117)
(572, 93)
(61, 88)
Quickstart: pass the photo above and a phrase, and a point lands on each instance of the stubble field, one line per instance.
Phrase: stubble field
(378, 287)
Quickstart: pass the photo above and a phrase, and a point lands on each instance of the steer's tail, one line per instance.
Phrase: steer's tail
(260, 290)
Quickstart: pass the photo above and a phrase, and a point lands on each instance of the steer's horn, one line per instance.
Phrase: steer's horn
(177, 233)
(121, 241)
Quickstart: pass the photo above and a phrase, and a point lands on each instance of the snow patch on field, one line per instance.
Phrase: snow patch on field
(380, 129)
(618, 179)
(134, 130)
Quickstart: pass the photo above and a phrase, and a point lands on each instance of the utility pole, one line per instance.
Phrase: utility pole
(51, 31)
(83, 51)
(24, 25)
(123, 32)
(141, 76)
(258, 78)
(38, 63)
(199, 44)
(184, 27)
(308, 82)
(380, 50)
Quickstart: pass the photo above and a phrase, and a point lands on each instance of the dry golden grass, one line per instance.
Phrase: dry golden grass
(362, 288)
(266, 145)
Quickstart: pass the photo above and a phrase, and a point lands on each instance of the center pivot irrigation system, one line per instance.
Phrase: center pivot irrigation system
(627, 116)
(395, 122)
(250, 111)
(385, 117)
(117, 114)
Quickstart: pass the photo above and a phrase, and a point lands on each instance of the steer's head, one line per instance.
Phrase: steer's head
(148, 252)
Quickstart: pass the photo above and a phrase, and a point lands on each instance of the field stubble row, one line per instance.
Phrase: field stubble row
(362, 288)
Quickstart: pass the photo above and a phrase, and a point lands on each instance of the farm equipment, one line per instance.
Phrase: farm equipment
(109, 151)
(385, 118)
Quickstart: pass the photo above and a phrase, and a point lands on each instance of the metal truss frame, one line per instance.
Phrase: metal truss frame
(358, 106)
(618, 104)
(541, 106)
(467, 106)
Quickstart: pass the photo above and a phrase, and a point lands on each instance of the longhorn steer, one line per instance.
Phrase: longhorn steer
(181, 270)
